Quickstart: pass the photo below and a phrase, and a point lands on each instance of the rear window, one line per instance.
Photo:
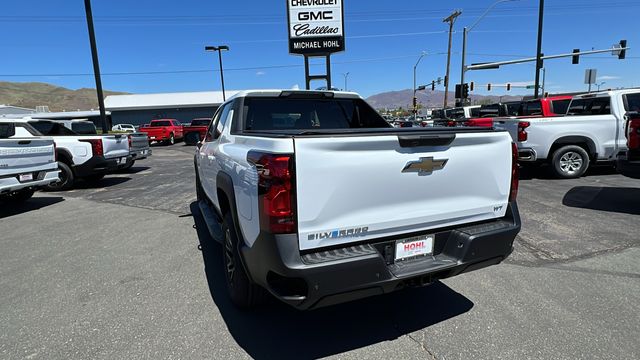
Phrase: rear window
(160, 123)
(531, 108)
(560, 106)
(204, 122)
(84, 128)
(632, 102)
(51, 128)
(590, 106)
(300, 114)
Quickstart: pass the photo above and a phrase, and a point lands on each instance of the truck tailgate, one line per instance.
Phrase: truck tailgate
(18, 156)
(115, 146)
(355, 188)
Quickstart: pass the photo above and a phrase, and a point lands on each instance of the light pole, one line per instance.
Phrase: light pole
(466, 31)
(96, 66)
(598, 85)
(346, 75)
(219, 50)
(414, 100)
(451, 19)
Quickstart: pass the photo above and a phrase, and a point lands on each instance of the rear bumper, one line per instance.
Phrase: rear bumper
(313, 280)
(99, 165)
(628, 168)
(41, 178)
(527, 155)
(139, 154)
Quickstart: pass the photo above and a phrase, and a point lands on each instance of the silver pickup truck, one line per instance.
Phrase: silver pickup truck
(26, 164)
(591, 132)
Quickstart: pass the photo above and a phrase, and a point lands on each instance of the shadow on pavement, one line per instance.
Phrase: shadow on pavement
(543, 172)
(280, 332)
(612, 199)
(133, 170)
(36, 203)
(103, 183)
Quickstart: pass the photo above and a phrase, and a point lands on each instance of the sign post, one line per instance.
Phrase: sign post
(590, 77)
(316, 29)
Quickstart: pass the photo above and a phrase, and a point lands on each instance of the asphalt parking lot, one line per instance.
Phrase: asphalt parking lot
(115, 272)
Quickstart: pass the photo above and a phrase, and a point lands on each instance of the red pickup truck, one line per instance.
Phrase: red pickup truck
(164, 130)
(196, 131)
(545, 107)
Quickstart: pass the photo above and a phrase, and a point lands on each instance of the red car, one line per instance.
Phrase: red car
(196, 131)
(545, 107)
(164, 130)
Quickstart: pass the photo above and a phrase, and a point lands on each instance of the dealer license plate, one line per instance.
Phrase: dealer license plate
(25, 177)
(414, 247)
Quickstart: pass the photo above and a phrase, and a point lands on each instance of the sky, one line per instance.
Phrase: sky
(158, 46)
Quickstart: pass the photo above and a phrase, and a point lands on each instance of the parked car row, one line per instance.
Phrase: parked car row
(28, 143)
(569, 133)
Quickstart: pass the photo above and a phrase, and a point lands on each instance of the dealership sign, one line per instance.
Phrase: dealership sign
(316, 27)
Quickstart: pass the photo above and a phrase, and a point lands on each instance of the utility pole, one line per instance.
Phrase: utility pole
(451, 19)
(539, 50)
(96, 66)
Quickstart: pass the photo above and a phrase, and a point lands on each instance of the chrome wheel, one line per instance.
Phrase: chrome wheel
(571, 162)
(230, 264)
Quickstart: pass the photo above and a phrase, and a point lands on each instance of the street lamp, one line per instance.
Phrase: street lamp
(413, 101)
(598, 85)
(346, 75)
(466, 31)
(219, 50)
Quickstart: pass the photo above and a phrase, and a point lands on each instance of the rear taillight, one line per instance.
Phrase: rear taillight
(96, 146)
(633, 134)
(451, 123)
(515, 173)
(130, 141)
(522, 132)
(276, 191)
(480, 122)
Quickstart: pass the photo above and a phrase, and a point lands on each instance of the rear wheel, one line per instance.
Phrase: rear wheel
(243, 293)
(570, 162)
(129, 165)
(66, 176)
(19, 196)
(172, 139)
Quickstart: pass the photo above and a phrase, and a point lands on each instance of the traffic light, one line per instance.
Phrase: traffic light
(575, 59)
(471, 86)
(465, 91)
(433, 86)
(488, 87)
(508, 87)
(415, 102)
(458, 91)
(623, 52)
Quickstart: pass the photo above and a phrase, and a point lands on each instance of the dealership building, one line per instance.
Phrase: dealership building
(139, 109)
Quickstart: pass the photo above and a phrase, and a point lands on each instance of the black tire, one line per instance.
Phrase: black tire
(94, 178)
(67, 179)
(569, 162)
(243, 293)
(129, 165)
(200, 195)
(172, 139)
(19, 196)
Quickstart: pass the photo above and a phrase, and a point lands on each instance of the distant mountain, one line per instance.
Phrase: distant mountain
(430, 99)
(32, 94)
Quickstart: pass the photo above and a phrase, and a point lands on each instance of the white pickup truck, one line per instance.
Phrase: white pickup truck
(316, 199)
(90, 157)
(26, 164)
(593, 131)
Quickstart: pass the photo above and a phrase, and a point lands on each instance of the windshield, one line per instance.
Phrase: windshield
(160, 123)
(200, 122)
(298, 114)
(49, 128)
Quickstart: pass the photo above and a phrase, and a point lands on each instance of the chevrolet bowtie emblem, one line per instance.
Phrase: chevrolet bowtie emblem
(424, 166)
